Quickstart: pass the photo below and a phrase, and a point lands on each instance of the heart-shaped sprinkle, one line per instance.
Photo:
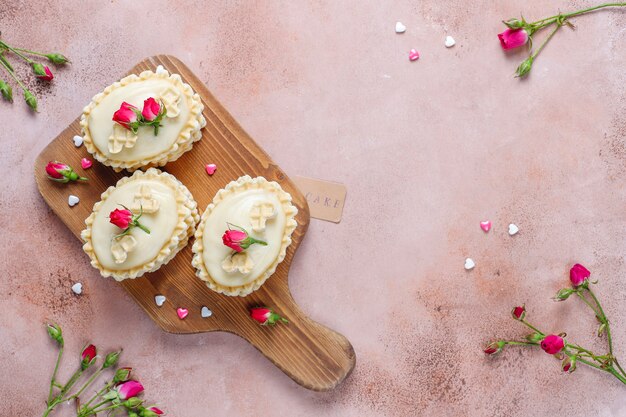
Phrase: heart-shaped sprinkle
(513, 229)
(450, 42)
(78, 140)
(413, 55)
(210, 168)
(400, 28)
(159, 300)
(205, 312)
(182, 312)
(469, 264)
(486, 225)
(86, 163)
(72, 200)
(77, 288)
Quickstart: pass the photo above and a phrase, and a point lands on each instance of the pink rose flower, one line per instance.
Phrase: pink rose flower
(88, 356)
(513, 38)
(519, 312)
(266, 316)
(55, 170)
(494, 348)
(129, 389)
(151, 109)
(126, 116)
(154, 410)
(121, 218)
(234, 238)
(578, 275)
(552, 344)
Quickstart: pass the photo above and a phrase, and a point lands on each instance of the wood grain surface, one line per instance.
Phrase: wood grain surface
(311, 354)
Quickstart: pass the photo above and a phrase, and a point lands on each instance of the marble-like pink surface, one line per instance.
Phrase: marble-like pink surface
(426, 149)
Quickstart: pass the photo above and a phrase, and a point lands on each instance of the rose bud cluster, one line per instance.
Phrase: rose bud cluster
(60, 172)
(131, 118)
(266, 316)
(126, 220)
(239, 239)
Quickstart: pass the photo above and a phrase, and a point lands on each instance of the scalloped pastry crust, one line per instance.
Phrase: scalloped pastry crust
(183, 227)
(235, 200)
(190, 130)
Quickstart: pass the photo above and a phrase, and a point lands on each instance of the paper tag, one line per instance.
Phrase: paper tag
(325, 198)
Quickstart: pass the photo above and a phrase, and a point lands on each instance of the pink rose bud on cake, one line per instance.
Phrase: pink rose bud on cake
(238, 239)
(151, 109)
(121, 218)
(579, 275)
(519, 312)
(129, 389)
(61, 172)
(552, 344)
(88, 356)
(494, 347)
(266, 316)
(127, 116)
(513, 38)
(42, 72)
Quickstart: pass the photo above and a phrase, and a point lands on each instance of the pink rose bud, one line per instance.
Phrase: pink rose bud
(519, 312)
(238, 239)
(121, 218)
(151, 109)
(61, 172)
(579, 275)
(494, 347)
(127, 116)
(129, 389)
(88, 357)
(122, 375)
(552, 344)
(266, 316)
(569, 364)
(42, 72)
(513, 38)
(151, 412)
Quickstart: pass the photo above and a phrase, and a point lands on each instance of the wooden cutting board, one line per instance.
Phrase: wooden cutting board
(311, 354)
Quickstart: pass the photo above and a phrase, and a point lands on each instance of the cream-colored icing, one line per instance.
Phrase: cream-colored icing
(147, 145)
(235, 209)
(161, 224)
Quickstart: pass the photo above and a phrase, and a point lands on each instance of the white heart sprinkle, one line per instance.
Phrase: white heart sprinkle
(400, 28)
(159, 300)
(513, 229)
(160, 69)
(205, 312)
(78, 140)
(72, 200)
(469, 264)
(450, 42)
(77, 288)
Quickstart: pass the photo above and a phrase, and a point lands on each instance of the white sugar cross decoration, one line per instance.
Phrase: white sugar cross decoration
(144, 202)
(170, 98)
(121, 138)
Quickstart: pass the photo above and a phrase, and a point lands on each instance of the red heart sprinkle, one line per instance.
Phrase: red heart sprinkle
(182, 312)
(413, 55)
(486, 225)
(85, 163)
(210, 168)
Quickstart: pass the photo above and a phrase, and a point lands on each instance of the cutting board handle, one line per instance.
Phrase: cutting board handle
(314, 356)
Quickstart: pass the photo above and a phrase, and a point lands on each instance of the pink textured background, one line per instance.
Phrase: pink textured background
(426, 150)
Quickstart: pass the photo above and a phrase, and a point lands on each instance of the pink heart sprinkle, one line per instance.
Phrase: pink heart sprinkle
(210, 168)
(413, 55)
(182, 312)
(85, 163)
(486, 225)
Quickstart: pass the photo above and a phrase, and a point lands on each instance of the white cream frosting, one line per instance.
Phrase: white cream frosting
(236, 204)
(235, 209)
(160, 223)
(180, 128)
(147, 145)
